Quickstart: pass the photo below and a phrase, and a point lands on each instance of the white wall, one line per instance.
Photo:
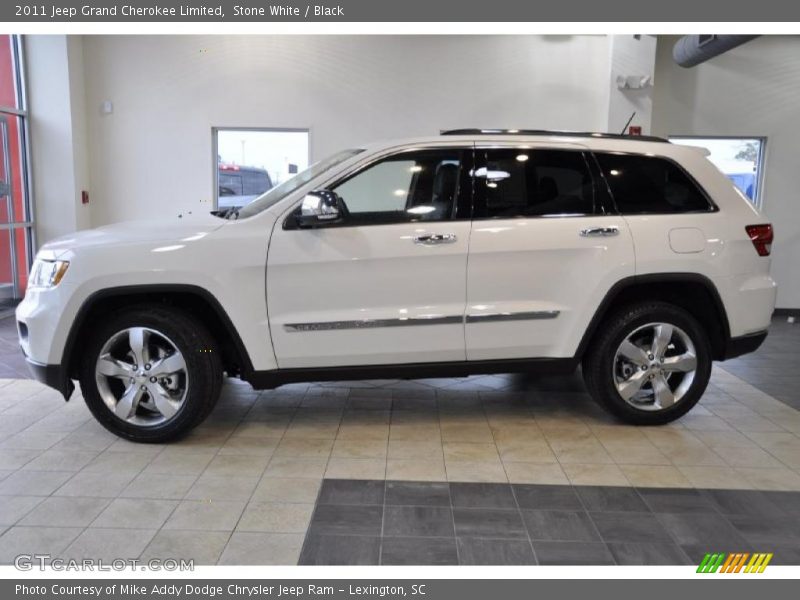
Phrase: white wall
(152, 156)
(630, 56)
(59, 160)
(753, 90)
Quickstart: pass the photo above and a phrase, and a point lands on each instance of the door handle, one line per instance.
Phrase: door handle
(600, 231)
(432, 239)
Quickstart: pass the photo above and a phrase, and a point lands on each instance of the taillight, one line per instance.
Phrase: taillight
(761, 236)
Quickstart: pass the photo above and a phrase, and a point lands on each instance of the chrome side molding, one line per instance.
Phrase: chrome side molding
(506, 316)
(414, 321)
(372, 323)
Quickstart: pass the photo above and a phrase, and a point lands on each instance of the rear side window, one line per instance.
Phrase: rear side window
(651, 185)
(532, 183)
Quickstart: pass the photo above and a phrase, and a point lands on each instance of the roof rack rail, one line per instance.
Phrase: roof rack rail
(616, 136)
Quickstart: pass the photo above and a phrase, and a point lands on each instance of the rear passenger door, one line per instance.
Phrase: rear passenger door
(545, 248)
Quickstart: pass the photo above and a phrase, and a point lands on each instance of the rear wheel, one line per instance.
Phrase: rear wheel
(649, 364)
(150, 374)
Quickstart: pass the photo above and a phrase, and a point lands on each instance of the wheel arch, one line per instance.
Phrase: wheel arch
(693, 292)
(196, 300)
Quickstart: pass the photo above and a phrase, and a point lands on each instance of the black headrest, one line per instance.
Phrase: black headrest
(444, 181)
(548, 189)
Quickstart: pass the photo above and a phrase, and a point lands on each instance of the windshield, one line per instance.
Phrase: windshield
(278, 193)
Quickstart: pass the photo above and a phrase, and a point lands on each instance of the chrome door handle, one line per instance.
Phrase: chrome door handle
(600, 231)
(431, 239)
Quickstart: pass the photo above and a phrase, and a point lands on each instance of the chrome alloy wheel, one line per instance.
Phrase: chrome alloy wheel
(142, 376)
(654, 366)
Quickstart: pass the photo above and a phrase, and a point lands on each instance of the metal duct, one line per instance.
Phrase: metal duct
(691, 50)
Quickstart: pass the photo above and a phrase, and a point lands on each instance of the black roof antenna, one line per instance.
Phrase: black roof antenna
(628, 123)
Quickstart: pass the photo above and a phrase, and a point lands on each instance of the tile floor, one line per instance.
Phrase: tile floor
(243, 488)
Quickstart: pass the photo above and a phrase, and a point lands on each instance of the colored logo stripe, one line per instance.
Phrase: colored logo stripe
(734, 562)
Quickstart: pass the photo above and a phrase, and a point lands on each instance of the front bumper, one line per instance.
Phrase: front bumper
(54, 376)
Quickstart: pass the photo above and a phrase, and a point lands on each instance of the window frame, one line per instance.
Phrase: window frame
(762, 158)
(713, 208)
(603, 201)
(216, 129)
(467, 149)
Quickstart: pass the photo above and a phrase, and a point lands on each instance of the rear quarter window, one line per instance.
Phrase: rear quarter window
(651, 185)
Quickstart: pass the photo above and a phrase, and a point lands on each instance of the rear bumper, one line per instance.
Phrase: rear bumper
(744, 344)
(54, 376)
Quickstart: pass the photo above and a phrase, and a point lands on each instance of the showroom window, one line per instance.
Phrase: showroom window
(517, 182)
(411, 186)
(252, 161)
(16, 233)
(740, 159)
(650, 185)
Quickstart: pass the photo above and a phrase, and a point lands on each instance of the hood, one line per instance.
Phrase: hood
(183, 228)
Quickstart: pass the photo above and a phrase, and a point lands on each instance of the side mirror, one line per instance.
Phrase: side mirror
(320, 207)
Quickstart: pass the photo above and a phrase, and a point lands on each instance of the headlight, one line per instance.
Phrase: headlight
(47, 273)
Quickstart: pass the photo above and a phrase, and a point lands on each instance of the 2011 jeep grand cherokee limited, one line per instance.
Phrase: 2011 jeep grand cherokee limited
(472, 252)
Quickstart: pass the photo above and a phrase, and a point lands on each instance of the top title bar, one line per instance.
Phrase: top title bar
(344, 11)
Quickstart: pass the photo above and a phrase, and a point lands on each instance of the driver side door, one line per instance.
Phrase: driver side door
(386, 283)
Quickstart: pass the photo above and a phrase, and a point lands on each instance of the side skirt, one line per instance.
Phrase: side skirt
(262, 380)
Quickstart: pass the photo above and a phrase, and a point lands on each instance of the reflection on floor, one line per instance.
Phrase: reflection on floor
(244, 487)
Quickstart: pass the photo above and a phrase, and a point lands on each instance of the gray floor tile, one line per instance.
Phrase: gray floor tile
(572, 553)
(340, 550)
(418, 551)
(96, 485)
(675, 500)
(32, 483)
(204, 547)
(543, 497)
(109, 544)
(159, 487)
(131, 513)
(65, 512)
(487, 551)
(349, 491)
(560, 525)
(648, 553)
(785, 554)
(35, 540)
(13, 508)
(764, 530)
(417, 493)
(743, 502)
(489, 522)
(698, 529)
(212, 488)
(275, 517)
(418, 521)
(332, 519)
(788, 502)
(482, 495)
(633, 527)
(605, 498)
(205, 516)
(245, 548)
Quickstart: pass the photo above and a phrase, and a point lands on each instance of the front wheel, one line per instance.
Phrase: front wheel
(649, 364)
(150, 373)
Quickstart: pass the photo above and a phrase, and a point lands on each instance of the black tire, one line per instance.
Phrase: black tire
(598, 363)
(203, 368)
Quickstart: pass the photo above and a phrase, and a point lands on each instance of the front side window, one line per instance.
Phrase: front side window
(517, 182)
(650, 185)
(412, 186)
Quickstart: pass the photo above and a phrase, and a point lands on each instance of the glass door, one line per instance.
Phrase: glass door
(16, 238)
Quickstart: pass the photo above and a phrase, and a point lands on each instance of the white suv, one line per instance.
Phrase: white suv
(473, 252)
